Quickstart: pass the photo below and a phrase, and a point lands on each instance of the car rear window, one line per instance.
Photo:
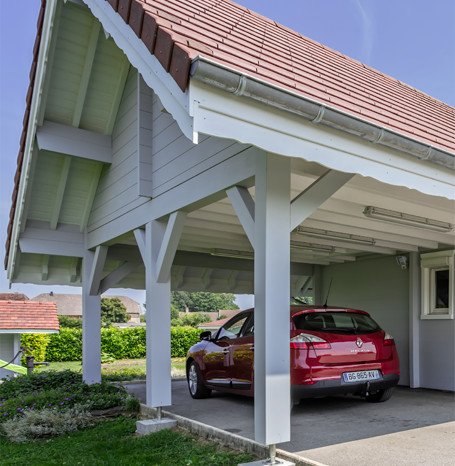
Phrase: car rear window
(336, 322)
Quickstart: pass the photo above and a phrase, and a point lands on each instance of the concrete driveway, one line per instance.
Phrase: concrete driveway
(415, 427)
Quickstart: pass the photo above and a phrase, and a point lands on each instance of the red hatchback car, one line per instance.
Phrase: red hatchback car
(333, 351)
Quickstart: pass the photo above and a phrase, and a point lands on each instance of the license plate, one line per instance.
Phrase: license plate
(361, 376)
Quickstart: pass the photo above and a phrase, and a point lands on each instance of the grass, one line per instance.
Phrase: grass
(125, 369)
(114, 443)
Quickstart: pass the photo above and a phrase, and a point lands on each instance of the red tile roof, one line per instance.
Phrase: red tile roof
(28, 315)
(13, 297)
(176, 32)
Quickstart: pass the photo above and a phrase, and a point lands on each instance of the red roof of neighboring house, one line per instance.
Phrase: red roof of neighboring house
(25, 316)
(13, 297)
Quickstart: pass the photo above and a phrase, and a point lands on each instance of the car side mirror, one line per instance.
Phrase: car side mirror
(206, 335)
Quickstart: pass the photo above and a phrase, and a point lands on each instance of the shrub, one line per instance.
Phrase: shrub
(192, 319)
(46, 423)
(65, 346)
(69, 322)
(182, 338)
(37, 342)
(113, 310)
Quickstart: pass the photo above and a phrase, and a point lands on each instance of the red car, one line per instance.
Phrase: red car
(333, 351)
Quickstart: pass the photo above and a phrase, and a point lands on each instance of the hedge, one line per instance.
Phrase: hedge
(37, 344)
(121, 343)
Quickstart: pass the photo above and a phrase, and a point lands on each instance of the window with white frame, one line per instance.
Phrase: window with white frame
(438, 285)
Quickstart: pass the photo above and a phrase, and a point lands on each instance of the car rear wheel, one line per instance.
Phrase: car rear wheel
(195, 384)
(380, 395)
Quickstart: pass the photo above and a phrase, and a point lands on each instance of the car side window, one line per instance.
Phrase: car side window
(248, 331)
(232, 328)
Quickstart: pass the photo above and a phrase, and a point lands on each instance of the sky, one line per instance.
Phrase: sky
(410, 40)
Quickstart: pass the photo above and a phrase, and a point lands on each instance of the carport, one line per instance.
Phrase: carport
(159, 152)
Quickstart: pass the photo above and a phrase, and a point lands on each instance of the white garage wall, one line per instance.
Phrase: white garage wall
(380, 287)
(437, 354)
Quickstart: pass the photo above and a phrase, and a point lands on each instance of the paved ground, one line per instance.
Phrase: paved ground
(415, 427)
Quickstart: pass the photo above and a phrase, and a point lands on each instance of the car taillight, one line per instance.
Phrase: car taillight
(306, 340)
(388, 340)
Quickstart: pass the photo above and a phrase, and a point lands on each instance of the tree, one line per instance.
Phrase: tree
(202, 301)
(113, 310)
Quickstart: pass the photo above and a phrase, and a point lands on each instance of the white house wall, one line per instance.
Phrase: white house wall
(437, 354)
(380, 287)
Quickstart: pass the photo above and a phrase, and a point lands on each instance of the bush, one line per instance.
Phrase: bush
(192, 319)
(69, 322)
(117, 343)
(182, 338)
(113, 310)
(65, 346)
(37, 342)
(57, 390)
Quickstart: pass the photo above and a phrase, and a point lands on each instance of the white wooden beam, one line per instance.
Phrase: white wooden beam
(86, 72)
(60, 192)
(99, 259)
(311, 198)
(96, 174)
(74, 272)
(169, 245)
(243, 204)
(91, 325)
(139, 235)
(55, 137)
(144, 137)
(44, 268)
(117, 275)
(118, 96)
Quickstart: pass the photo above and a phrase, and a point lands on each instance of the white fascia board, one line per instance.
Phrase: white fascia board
(163, 84)
(219, 113)
(63, 139)
(41, 67)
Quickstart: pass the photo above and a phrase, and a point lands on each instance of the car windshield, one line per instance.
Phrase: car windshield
(336, 322)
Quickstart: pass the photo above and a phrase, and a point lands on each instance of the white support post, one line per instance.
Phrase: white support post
(414, 319)
(91, 325)
(243, 205)
(158, 330)
(271, 290)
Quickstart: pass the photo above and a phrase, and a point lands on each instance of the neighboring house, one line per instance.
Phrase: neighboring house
(71, 304)
(17, 317)
(214, 325)
(13, 297)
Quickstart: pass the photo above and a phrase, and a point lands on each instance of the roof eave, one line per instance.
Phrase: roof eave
(243, 85)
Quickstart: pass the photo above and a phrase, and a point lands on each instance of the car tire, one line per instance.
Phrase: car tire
(195, 384)
(380, 395)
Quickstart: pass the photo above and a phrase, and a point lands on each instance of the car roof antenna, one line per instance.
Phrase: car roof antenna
(328, 292)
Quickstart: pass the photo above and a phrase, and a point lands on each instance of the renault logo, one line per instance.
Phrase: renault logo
(359, 343)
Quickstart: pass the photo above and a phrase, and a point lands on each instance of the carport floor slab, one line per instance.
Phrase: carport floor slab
(328, 423)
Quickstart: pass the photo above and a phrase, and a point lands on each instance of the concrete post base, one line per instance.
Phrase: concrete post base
(277, 462)
(148, 426)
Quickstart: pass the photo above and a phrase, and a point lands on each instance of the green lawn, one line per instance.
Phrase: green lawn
(114, 443)
(129, 368)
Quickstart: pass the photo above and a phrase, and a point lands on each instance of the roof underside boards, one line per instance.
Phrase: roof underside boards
(85, 135)
(259, 47)
(24, 316)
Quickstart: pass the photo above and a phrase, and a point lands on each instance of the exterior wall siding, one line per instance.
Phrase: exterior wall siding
(380, 287)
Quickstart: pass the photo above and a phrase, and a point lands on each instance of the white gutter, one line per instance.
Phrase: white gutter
(48, 23)
(240, 84)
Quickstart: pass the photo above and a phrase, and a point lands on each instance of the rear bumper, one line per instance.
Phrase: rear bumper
(340, 387)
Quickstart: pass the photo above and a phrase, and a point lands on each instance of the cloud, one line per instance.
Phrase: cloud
(367, 32)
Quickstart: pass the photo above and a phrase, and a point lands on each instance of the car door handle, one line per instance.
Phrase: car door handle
(225, 351)
(252, 348)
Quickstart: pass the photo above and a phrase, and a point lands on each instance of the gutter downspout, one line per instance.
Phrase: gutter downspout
(47, 28)
(240, 84)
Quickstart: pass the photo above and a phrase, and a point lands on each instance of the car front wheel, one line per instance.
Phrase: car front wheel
(195, 384)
